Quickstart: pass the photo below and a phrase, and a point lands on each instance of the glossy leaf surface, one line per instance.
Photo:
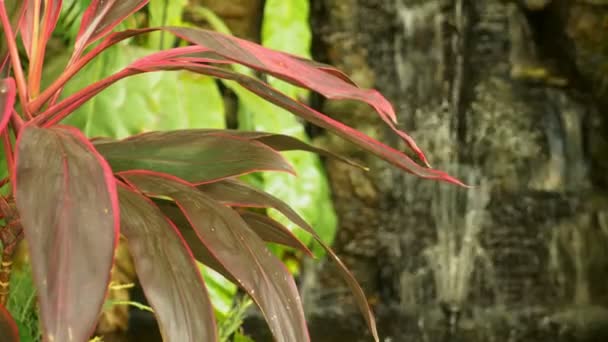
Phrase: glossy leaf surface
(167, 271)
(66, 195)
(8, 327)
(240, 250)
(191, 155)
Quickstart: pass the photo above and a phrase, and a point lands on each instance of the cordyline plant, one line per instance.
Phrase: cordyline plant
(172, 195)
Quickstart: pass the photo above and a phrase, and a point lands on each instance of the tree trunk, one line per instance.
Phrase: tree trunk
(504, 95)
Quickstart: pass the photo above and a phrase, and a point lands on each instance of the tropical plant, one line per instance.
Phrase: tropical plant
(172, 195)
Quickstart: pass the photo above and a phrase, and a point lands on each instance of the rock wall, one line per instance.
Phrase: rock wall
(508, 95)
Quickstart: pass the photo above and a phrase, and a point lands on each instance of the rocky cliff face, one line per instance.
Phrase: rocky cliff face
(511, 96)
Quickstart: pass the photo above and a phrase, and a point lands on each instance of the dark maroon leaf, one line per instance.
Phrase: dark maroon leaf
(199, 251)
(281, 142)
(192, 155)
(236, 193)
(66, 196)
(166, 270)
(8, 327)
(262, 89)
(278, 142)
(101, 17)
(272, 231)
(239, 249)
(7, 101)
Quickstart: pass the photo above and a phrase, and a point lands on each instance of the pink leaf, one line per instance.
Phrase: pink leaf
(101, 17)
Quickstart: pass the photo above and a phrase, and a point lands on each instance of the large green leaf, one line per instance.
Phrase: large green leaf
(154, 101)
(66, 196)
(167, 271)
(192, 155)
(164, 13)
(239, 250)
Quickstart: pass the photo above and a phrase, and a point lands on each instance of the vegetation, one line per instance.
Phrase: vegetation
(173, 195)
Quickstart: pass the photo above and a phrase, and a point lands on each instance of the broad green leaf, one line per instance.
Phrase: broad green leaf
(66, 195)
(166, 270)
(155, 101)
(192, 155)
(8, 327)
(164, 13)
(239, 250)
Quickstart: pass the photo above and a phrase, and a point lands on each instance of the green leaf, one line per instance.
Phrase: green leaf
(164, 13)
(66, 196)
(167, 271)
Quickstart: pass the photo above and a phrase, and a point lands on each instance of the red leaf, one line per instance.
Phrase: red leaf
(8, 327)
(239, 249)
(293, 70)
(167, 271)
(236, 193)
(193, 155)
(51, 16)
(66, 196)
(265, 91)
(52, 9)
(272, 231)
(101, 17)
(27, 24)
(7, 101)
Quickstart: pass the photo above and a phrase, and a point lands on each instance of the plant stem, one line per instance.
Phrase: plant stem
(14, 53)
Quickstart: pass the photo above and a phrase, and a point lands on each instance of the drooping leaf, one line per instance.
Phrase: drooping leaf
(272, 231)
(263, 90)
(238, 194)
(7, 101)
(239, 249)
(101, 17)
(286, 28)
(8, 327)
(192, 155)
(294, 70)
(167, 271)
(282, 142)
(66, 195)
